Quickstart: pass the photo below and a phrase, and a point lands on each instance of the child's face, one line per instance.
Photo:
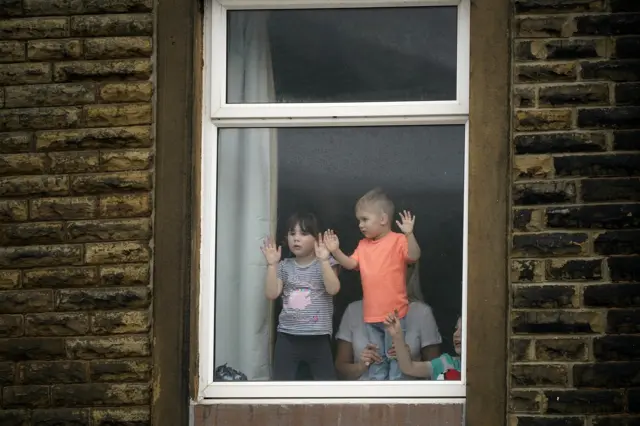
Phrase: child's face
(300, 243)
(371, 221)
(457, 337)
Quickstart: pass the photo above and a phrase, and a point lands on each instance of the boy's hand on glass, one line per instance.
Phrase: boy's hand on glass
(406, 222)
(331, 241)
(322, 252)
(271, 252)
(392, 325)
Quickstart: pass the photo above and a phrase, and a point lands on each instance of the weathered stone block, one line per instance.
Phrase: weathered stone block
(100, 394)
(557, 322)
(107, 347)
(561, 349)
(584, 401)
(527, 270)
(123, 69)
(117, 115)
(114, 137)
(574, 269)
(20, 29)
(61, 417)
(623, 321)
(121, 322)
(103, 298)
(609, 118)
(11, 8)
(121, 371)
(14, 417)
(524, 97)
(623, 71)
(550, 244)
(528, 220)
(560, 49)
(22, 164)
(60, 277)
(626, 140)
(13, 210)
(527, 194)
(125, 275)
(116, 161)
(52, 7)
(523, 375)
(547, 421)
(34, 186)
(64, 208)
(25, 301)
(598, 165)
(118, 47)
(618, 242)
(525, 401)
(126, 205)
(9, 280)
(111, 182)
(15, 142)
(548, 119)
(577, 94)
(12, 51)
(25, 349)
(123, 416)
(135, 24)
(594, 190)
(74, 162)
(612, 296)
(627, 48)
(624, 268)
(27, 73)
(118, 6)
(57, 324)
(607, 375)
(51, 50)
(24, 234)
(532, 167)
(49, 95)
(545, 297)
(11, 326)
(50, 372)
(520, 349)
(25, 396)
(109, 230)
(117, 252)
(34, 256)
(7, 374)
(39, 118)
(627, 94)
(616, 348)
(541, 73)
(552, 6)
(608, 24)
(624, 6)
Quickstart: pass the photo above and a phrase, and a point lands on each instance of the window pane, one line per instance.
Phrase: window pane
(342, 55)
(266, 175)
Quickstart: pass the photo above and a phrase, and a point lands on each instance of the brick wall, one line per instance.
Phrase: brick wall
(76, 163)
(575, 269)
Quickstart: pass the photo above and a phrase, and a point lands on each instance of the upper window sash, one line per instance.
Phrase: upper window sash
(221, 110)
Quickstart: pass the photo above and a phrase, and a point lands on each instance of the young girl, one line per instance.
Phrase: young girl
(307, 283)
(446, 367)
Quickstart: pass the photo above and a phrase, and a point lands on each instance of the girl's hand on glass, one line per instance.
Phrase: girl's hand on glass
(271, 252)
(322, 252)
(331, 240)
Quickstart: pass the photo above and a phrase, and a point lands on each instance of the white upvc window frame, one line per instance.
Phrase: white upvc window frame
(217, 114)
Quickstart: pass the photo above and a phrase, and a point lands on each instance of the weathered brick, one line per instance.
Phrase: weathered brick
(64, 208)
(594, 190)
(125, 275)
(623, 321)
(561, 349)
(14, 417)
(577, 94)
(615, 420)
(11, 8)
(525, 401)
(103, 298)
(61, 417)
(118, 6)
(25, 396)
(50, 255)
(126, 92)
(139, 416)
(20, 29)
(39, 118)
(523, 375)
(100, 394)
(574, 269)
(74, 162)
(23, 234)
(27, 73)
(520, 349)
(527, 194)
(612, 295)
(618, 242)
(51, 50)
(13, 210)
(608, 24)
(623, 70)
(624, 6)
(25, 349)
(115, 161)
(548, 421)
(9, 280)
(528, 220)
(524, 97)
(627, 48)
(57, 324)
(550, 244)
(552, 6)
(109, 230)
(609, 118)
(544, 297)
(15, 142)
(126, 205)
(117, 252)
(548, 119)
(135, 24)
(49, 95)
(52, 7)
(115, 137)
(598, 165)
(584, 401)
(121, 371)
(60, 277)
(124, 69)
(616, 348)
(118, 47)
(627, 93)
(12, 51)
(560, 49)
(607, 375)
(117, 115)
(557, 322)
(34, 186)
(25, 301)
(11, 326)
(633, 404)
(111, 182)
(50, 372)
(624, 268)
(608, 216)
(107, 347)
(527, 270)
(532, 167)
(7, 374)
(120, 322)
(22, 164)
(542, 73)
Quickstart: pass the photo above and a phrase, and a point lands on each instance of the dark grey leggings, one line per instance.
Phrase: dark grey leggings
(291, 350)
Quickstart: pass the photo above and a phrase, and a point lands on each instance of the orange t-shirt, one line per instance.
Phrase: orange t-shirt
(383, 270)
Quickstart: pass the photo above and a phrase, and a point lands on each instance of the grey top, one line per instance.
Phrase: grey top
(422, 330)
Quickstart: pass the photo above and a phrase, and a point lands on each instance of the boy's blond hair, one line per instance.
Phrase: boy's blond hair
(378, 198)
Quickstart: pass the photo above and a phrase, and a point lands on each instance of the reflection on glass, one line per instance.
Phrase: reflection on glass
(342, 55)
(265, 175)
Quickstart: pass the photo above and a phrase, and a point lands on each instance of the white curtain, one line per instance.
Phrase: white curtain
(247, 189)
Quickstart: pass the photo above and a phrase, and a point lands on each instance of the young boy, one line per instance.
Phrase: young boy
(382, 258)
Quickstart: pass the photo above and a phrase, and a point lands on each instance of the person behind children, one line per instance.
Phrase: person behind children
(382, 258)
(307, 283)
(446, 367)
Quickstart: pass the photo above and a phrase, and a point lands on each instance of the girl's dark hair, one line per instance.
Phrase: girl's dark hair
(307, 221)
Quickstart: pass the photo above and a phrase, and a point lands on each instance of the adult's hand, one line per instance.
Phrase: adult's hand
(370, 355)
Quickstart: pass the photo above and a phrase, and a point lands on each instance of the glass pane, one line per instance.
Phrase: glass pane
(342, 55)
(267, 175)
